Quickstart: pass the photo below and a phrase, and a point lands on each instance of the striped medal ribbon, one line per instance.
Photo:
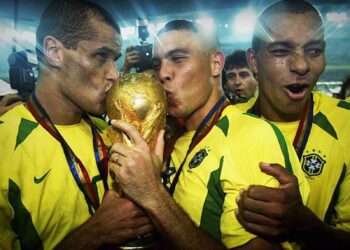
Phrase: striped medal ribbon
(75, 164)
(203, 129)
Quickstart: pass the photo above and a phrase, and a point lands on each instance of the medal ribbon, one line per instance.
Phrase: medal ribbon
(100, 150)
(203, 129)
(304, 128)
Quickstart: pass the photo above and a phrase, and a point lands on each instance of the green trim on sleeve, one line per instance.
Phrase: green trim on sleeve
(213, 205)
(24, 129)
(1, 122)
(22, 223)
(344, 105)
(321, 120)
(330, 210)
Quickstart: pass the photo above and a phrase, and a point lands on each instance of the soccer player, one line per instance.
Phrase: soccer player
(215, 157)
(288, 55)
(53, 168)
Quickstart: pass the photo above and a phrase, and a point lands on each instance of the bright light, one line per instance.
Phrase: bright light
(160, 25)
(27, 36)
(244, 24)
(206, 22)
(21, 36)
(129, 31)
(340, 18)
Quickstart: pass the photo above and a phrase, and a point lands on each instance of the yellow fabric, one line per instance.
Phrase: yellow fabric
(207, 192)
(334, 151)
(55, 204)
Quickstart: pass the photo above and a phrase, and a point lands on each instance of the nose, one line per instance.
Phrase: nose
(300, 64)
(165, 72)
(237, 81)
(112, 74)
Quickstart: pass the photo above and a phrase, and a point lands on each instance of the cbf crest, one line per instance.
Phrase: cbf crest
(313, 164)
(198, 158)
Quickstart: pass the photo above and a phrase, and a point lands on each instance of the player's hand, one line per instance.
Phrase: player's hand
(276, 213)
(118, 220)
(137, 168)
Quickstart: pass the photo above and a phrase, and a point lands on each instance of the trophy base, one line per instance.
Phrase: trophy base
(148, 241)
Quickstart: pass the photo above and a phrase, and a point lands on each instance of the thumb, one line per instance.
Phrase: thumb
(159, 147)
(276, 170)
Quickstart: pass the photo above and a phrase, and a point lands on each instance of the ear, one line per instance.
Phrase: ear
(251, 59)
(53, 51)
(217, 64)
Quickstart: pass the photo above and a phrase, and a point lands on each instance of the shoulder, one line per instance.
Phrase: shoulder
(332, 115)
(15, 117)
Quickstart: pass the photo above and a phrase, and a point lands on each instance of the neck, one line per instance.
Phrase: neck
(193, 121)
(271, 113)
(60, 109)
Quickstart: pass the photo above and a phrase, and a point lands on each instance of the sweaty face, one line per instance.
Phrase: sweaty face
(90, 70)
(241, 82)
(290, 62)
(184, 70)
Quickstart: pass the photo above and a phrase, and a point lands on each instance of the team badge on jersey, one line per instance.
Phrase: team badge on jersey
(198, 158)
(313, 164)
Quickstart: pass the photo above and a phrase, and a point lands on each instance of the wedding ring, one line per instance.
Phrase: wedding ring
(116, 157)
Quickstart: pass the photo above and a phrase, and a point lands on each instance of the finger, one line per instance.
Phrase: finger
(269, 209)
(252, 217)
(264, 193)
(159, 147)
(277, 171)
(143, 230)
(134, 56)
(130, 48)
(130, 130)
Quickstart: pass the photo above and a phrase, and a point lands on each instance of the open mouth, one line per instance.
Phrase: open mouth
(296, 88)
(296, 92)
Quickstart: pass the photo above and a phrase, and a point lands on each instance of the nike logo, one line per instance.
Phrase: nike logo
(39, 180)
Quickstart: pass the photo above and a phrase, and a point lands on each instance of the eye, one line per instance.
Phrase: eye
(102, 56)
(244, 74)
(279, 52)
(177, 58)
(315, 52)
(230, 76)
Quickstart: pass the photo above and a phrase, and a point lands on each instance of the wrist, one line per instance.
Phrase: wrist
(154, 201)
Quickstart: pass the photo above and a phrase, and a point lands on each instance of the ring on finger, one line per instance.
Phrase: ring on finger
(116, 157)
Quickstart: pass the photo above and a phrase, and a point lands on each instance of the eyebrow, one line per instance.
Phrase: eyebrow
(290, 45)
(171, 53)
(109, 50)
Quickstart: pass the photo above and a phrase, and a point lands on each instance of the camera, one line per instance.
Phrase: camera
(144, 49)
(23, 72)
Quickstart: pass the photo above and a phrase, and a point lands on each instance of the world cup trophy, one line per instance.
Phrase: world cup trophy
(139, 99)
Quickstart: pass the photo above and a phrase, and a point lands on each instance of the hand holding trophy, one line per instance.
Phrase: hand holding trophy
(138, 99)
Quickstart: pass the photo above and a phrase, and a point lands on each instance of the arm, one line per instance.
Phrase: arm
(279, 213)
(8, 102)
(116, 221)
(137, 171)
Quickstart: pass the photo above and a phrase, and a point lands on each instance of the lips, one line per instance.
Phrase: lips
(296, 92)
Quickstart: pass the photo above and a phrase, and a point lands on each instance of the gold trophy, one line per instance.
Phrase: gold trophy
(138, 99)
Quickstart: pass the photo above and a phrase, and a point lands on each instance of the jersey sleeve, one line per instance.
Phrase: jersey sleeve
(262, 143)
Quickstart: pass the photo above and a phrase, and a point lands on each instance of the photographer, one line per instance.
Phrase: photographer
(139, 56)
(132, 59)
